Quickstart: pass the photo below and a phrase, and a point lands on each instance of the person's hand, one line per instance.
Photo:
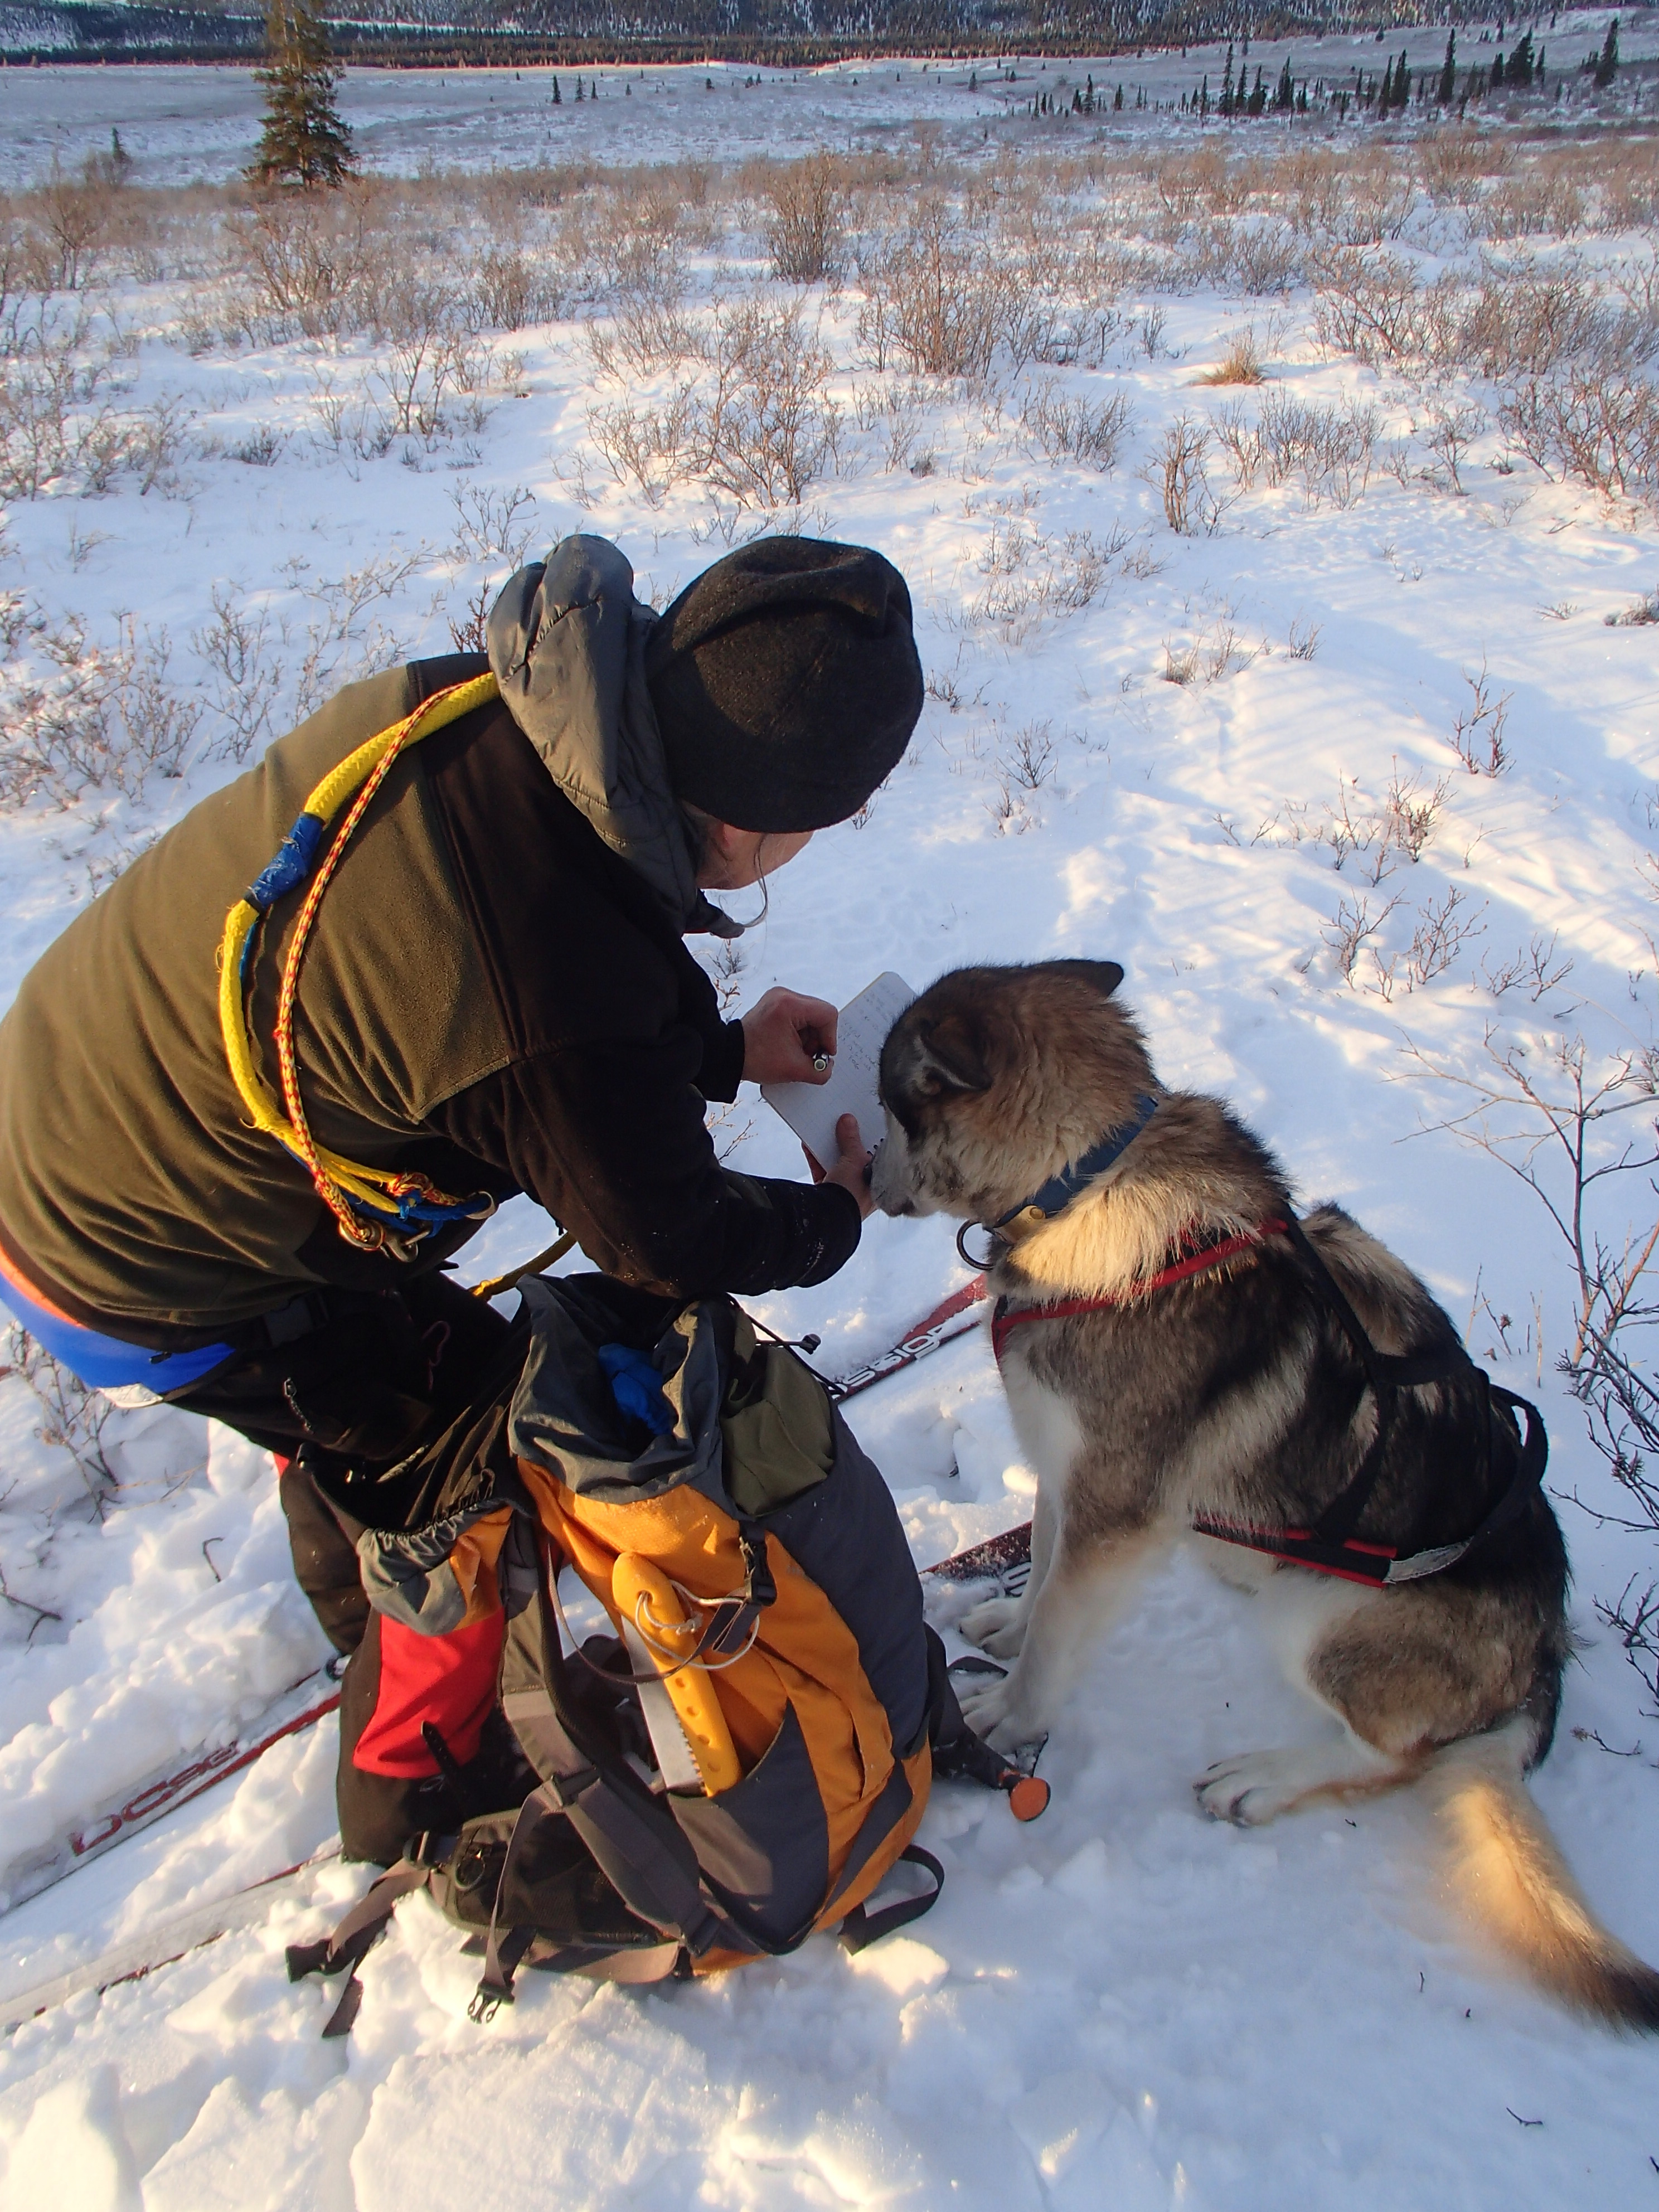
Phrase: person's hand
(782, 1032)
(852, 1169)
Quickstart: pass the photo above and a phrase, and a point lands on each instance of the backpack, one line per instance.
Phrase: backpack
(746, 1754)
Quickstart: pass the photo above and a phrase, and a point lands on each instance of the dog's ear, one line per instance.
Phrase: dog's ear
(1104, 974)
(951, 1057)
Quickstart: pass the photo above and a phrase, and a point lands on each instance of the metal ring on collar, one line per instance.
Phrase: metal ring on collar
(967, 1257)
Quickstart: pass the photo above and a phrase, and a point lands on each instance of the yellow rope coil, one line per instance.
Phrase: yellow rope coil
(339, 1182)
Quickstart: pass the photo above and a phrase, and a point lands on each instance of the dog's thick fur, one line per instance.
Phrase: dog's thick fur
(1236, 1395)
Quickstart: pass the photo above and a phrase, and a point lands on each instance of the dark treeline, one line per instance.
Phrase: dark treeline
(774, 34)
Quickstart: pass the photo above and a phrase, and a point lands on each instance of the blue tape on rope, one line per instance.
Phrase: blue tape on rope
(292, 863)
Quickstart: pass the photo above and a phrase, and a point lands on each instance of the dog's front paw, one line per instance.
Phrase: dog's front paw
(997, 1626)
(995, 1714)
(1250, 1789)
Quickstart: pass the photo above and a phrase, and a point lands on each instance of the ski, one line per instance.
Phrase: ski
(927, 1335)
(164, 1791)
(1004, 1559)
(160, 1945)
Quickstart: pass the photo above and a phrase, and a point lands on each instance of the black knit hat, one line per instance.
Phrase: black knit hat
(786, 683)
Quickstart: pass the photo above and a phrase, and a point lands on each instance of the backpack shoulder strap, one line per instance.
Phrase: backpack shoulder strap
(632, 1837)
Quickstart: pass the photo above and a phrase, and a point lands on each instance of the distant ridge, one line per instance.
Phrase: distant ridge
(781, 34)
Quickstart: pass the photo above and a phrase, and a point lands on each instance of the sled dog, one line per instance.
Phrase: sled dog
(1184, 1358)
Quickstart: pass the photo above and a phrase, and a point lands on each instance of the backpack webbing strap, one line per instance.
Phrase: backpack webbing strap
(631, 1836)
(353, 1939)
(862, 1926)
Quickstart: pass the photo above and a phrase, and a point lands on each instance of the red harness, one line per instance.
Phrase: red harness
(1194, 1259)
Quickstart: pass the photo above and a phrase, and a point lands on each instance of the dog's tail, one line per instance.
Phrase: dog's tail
(1510, 1877)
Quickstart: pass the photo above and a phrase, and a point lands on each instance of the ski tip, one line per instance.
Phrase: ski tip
(1027, 1798)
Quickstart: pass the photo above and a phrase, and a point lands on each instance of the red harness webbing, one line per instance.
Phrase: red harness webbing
(1195, 1260)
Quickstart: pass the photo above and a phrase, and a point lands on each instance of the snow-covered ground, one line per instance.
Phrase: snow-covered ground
(183, 125)
(1120, 2006)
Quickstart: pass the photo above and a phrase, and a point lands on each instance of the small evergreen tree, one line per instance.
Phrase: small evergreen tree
(1226, 104)
(555, 92)
(1499, 74)
(304, 140)
(1448, 73)
(1606, 67)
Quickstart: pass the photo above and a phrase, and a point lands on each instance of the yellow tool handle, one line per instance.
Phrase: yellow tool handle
(662, 1620)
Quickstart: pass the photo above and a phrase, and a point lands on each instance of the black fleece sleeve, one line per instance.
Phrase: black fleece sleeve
(610, 1140)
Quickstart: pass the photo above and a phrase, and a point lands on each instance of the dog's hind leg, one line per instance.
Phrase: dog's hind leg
(1309, 1618)
(1080, 1597)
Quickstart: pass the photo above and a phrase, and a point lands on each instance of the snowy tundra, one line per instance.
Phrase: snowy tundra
(1278, 500)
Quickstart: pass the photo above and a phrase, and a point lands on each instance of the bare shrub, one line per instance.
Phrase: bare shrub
(1553, 1112)
(1601, 429)
(428, 357)
(1478, 735)
(491, 523)
(1372, 307)
(341, 642)
(1329, 448)
(1453, 427)
(1240, 363)
(1033, 575)
(1413, 813)
(1190, 504)
(1527, 317)
(1302, 641)
(756, 422)
(1455, 165)
(1443, 928)
(1068, 426)
(806, 230)
(72, 219)
(930, 299)
(1536, 970)
(1638, 614)
(896, 412)
(302, 257)
(1351, 930)
(650, 331)
(1377, 203)
(99, 719)
(72, 1419)
(246, 679)
(512, 290)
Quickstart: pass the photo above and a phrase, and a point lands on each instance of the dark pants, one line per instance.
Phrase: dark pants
(379, 1376)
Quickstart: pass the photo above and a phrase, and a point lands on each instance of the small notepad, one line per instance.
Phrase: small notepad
(812, 1110)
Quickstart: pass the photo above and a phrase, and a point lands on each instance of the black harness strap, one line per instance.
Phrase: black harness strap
(1330, 1546)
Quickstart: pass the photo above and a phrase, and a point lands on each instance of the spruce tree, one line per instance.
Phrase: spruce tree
(1448, 73)
(555, 92)
(304, 140)
(1606, 67)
